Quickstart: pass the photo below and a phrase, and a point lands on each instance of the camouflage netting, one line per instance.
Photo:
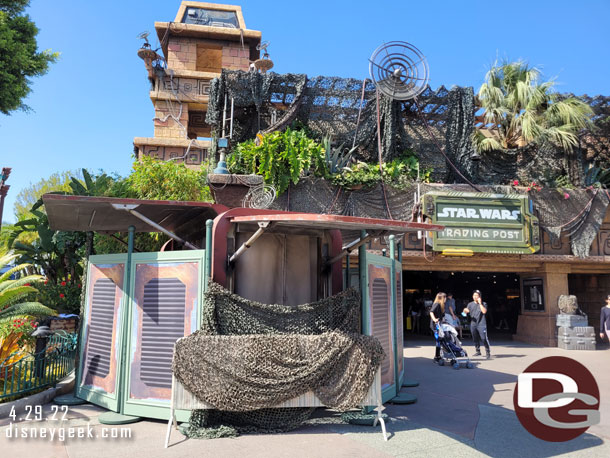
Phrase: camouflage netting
(249, 372)
(580, 216)
(226, 313)
(255, 355)
(330, 106)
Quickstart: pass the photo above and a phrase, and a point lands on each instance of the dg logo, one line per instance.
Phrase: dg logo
(556, 399)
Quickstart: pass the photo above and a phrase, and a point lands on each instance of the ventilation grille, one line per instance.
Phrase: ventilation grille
(399, 321)
(99, 339)
(381, 325)
(162, 324)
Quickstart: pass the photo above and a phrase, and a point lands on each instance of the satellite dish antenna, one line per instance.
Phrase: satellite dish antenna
(399, 70)
(144, 36)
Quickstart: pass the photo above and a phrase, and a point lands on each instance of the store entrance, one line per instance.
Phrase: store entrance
(500, 290)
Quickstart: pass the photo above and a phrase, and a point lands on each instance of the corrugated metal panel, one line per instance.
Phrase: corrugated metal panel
(381, 326)
(99, 338)
(162, 324)
(399, 321)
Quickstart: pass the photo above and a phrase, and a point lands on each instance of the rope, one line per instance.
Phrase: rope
(359, 113)
(385, 197)
(586, 207)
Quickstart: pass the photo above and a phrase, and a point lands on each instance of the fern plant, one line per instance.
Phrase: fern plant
(281, 158)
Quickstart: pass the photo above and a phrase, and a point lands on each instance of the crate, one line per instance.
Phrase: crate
(578, 331)
(572, 321)
(576, 343)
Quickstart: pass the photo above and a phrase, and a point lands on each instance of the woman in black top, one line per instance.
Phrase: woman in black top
(604, 322)
(437, 312)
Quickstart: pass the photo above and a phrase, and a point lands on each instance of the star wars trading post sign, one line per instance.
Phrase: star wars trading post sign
(481, 223)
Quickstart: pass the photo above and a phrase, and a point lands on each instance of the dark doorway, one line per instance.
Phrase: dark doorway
(500, 290)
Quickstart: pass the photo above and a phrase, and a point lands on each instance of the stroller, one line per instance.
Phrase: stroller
(451, 350)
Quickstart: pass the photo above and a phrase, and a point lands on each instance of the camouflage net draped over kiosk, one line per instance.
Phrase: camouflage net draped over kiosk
(255, 355)
(226, 313)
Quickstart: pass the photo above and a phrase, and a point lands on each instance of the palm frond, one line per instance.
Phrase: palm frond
(14, 294)
(35, 309)
(7, 284)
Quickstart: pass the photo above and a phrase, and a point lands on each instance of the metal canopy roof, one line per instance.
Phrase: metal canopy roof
(103, 214)
(344, 223)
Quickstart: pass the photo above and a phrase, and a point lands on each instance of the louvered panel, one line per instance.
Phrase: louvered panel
(399, 321)
(162, 324)
(99, 339)
(381, 326)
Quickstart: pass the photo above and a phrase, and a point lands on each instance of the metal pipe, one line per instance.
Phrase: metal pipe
(208, 250)
(231, 124)
(394, 309)
(119, 239)
(347, 272)
(248, 243)
(140, 216)
(124, 315)
(348, 248)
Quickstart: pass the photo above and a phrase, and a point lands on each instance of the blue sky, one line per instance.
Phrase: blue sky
(92, 103)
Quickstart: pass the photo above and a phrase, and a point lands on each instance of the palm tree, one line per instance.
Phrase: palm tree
(519, 110)
(12, 291)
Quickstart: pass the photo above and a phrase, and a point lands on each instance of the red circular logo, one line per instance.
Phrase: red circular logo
(556, 399)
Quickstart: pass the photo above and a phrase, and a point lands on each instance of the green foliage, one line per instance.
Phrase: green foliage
(158, 180)
(563, 182)
(19, 59)
(337, 158)
(27, 197)
(281, 158)
(21, 329)
(525, 110)
(597, 177)
(399, 173)
(14, 292)
(56, 253)
(62, 295)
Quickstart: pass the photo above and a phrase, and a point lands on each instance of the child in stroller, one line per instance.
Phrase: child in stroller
(450, 346)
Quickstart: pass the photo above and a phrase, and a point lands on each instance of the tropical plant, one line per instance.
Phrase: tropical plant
(28, 196)
(96, 185)
(597, 177)
(399, 173)
(57, 254)
(337, 158)
(169, 180)
(281, 158)
(520, 109)
(14, 291)
(63, 296)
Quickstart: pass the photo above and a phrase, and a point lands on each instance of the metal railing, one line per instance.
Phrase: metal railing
(23, 372)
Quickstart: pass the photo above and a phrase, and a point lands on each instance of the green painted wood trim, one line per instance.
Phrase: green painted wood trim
(126, 320)
(151, 408)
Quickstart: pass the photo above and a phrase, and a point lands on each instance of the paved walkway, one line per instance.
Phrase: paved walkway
(458, 414)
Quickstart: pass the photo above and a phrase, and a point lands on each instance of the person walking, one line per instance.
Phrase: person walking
(437, 312)
(478, 326)
(450, 314)
(604, 322)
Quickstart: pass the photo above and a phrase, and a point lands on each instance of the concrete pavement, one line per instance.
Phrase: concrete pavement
(459, 414)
